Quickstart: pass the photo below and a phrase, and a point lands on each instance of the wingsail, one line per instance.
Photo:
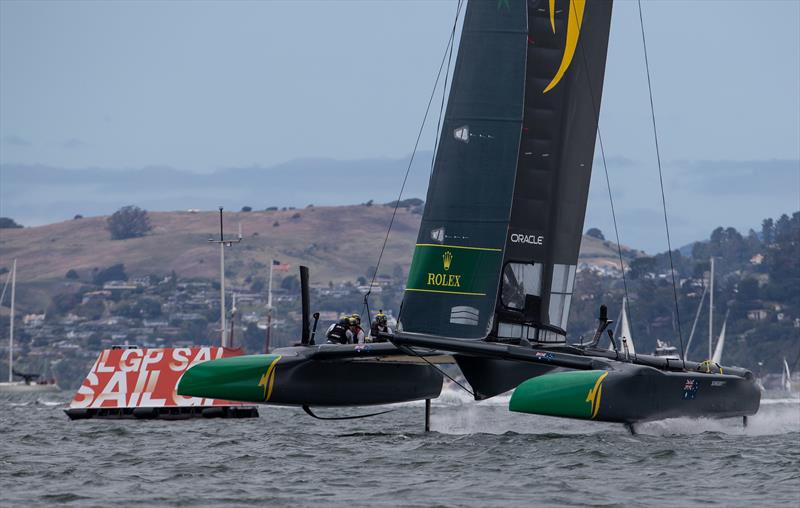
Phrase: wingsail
(498, 246)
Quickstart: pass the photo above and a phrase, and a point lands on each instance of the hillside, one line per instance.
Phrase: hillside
(338, 243)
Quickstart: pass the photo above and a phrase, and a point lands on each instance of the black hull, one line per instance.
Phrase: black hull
(639, 394)
(599, 385)
(323, 375)
(354, 383)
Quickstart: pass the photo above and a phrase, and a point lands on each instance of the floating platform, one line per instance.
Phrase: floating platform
(131, 383)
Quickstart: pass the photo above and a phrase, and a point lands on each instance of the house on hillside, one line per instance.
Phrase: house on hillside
(757, 315)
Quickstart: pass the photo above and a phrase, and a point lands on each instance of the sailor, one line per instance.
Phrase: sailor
(338, 332)
(355, 328)
(380, 325)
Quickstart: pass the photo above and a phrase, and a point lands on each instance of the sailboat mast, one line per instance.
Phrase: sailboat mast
(269, 308)
(11, 323)
(711, 311)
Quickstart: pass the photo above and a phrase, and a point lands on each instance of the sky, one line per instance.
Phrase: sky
(205, 86)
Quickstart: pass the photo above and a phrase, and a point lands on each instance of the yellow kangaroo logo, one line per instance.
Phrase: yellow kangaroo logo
(574, 23)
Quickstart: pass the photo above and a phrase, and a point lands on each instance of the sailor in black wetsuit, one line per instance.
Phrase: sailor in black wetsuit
(379, 326)
(338, 332)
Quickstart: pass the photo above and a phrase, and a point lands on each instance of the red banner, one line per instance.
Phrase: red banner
(123, 378)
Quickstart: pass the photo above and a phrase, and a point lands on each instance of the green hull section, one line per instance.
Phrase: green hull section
(241, 378)
(573, 394)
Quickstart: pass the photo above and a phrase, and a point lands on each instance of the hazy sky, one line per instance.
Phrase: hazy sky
(201, 86)
(205, 85)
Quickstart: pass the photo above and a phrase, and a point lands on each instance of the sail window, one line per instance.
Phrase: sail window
(520, 280)
(561, 294)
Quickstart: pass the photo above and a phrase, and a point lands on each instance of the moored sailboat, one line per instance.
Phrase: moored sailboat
(30, 382)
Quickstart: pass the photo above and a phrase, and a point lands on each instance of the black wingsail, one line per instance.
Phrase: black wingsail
(498, 245)
(567, 46)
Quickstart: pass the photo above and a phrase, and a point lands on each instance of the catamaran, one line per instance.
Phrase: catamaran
(493, 271)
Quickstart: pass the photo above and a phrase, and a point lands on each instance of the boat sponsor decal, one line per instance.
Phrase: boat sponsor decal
(461, 133)
(362, 348)
(690, 388)
(145, 378)
(464, 315)
(574, 23)
(452, 269)
(718, 383)
(437, 235)
(541, 355)
(268, 379)
(529, 239)
(595, 394)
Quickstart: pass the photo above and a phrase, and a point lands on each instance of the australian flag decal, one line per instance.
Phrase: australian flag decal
(690, 389)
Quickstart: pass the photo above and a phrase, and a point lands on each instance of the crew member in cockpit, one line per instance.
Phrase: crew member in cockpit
(380, 325)
(339, 332)
(355, 329)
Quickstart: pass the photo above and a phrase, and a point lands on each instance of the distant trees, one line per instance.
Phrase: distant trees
(247, 208)
(406, 203)
(77, 217)
(8, 223)
(290, 283)
(72, 275)
(640, 267)
(114, 272)
(595, 233)
(129, 222)
(258, 285)
(93, 309)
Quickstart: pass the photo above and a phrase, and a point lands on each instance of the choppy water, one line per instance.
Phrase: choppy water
(478, 454)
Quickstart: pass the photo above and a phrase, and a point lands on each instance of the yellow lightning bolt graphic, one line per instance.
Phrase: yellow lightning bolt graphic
(595, 394)
(574, 23)
(268, 378)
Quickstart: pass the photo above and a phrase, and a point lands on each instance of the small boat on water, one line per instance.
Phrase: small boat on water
(665, 350)
(30, 383)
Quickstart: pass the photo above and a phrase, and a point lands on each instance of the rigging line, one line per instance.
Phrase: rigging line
(596, 112)
(661, 181)
(444, 95)
(445, 374)
(414, 151)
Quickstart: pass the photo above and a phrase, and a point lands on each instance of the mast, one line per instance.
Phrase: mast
(11, 322)
(222, 244)
(234, 310)
(269, 308)
(711, 311)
